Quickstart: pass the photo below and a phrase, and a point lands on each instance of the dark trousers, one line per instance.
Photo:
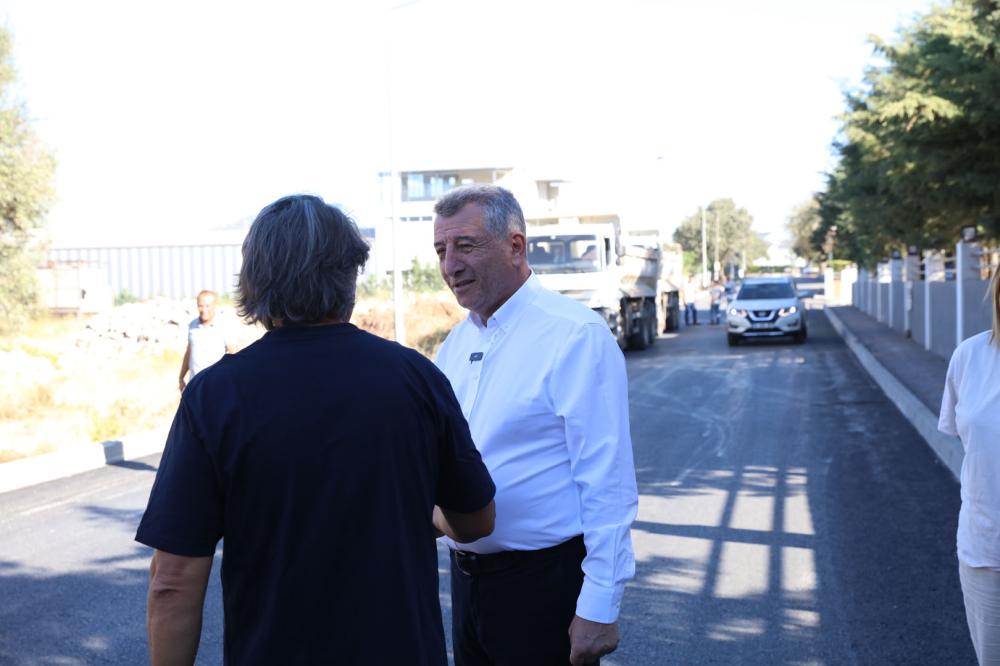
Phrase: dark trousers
(514, 609)
(690, 314)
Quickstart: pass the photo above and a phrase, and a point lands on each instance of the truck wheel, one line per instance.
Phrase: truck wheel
(651, 325)
(673, 319)
(640, 338)
(620, 337)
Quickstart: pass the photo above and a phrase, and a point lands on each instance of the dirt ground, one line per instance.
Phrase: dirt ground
(67, 381)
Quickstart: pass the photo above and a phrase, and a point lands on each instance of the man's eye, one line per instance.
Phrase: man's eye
(464, 247)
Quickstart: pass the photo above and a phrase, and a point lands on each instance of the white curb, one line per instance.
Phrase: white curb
(76, 459)
(948, 449)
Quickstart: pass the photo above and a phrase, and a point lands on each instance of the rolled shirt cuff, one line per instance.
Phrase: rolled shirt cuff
(599, 603)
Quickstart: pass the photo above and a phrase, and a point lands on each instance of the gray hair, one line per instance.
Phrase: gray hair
(500, 209)
(301, 260)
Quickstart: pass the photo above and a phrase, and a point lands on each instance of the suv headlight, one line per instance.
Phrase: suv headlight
(784, 312)
(737, 313)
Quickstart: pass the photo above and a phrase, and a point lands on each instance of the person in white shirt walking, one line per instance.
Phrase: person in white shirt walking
(542, 383)
(970, 409)
(208, 340)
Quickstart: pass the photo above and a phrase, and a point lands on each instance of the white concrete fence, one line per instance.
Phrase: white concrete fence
(935, 298)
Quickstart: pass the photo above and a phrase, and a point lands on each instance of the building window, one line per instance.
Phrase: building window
(427, 186)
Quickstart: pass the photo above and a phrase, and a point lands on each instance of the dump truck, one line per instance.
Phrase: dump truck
(630, 280)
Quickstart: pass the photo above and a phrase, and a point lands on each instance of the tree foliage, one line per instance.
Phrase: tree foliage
(736, 235)
(26, 171)
(920, 141)
(803, 225)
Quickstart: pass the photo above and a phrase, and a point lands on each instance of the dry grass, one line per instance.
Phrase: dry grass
(55, 394)
(428, 319)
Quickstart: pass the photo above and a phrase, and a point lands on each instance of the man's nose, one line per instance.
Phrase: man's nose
(450, 264)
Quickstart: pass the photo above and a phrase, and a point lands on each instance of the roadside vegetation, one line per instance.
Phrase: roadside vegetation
(919, 147)
(66, 381)
(731, 225)
(26, 175)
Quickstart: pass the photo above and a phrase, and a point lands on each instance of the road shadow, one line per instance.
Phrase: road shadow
(87, 617)
(848, 554)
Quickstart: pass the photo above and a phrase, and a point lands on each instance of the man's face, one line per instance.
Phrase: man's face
(206, 308)
(481, 270)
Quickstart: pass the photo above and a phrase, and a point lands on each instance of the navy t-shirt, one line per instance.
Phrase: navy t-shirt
(318, 453)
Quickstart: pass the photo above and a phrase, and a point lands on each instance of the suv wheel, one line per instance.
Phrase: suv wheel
(732, 339)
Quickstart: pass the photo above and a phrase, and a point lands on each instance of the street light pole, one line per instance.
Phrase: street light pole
(398, 299)
(704, 251)
(715, 265)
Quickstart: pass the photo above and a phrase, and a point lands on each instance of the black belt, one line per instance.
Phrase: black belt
(473, 564)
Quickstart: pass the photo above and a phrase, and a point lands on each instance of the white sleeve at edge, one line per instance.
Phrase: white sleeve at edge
(590, 391)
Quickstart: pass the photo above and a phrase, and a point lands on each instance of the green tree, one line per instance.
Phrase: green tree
(26, 171)
(920, 141)
(802, 225)
(736, 234)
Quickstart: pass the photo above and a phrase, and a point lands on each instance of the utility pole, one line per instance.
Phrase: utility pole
(704, 251)
(716, 268)
(398, 298)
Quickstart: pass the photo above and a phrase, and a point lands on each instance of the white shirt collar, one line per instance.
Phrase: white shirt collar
(512, 308)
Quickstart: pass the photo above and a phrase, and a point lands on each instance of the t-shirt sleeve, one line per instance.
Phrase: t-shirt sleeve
(184, 513)
(464, 483)
(949, 401)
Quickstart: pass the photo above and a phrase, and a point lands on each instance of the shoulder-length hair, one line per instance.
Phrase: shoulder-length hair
(301, 260)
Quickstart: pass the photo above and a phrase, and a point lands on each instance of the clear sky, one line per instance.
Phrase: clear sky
(169, 119)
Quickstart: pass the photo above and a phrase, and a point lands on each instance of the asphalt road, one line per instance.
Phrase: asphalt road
(788, 515)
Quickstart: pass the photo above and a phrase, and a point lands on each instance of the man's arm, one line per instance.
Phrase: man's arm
(465, 527)
(174, 607)
(592, 398)
(184, 367)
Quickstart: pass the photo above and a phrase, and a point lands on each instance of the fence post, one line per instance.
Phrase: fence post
(927, 302)
(911, 271)
(960, 263)
(895, 275)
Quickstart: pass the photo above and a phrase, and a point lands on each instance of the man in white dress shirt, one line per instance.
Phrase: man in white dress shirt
(542, 383)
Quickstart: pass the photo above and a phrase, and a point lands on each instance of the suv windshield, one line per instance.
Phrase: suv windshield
(564, 254)
(765, 291)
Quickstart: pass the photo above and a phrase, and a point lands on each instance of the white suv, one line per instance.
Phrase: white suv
(766, 307)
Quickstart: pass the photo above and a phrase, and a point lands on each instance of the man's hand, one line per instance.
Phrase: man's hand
(589, 641)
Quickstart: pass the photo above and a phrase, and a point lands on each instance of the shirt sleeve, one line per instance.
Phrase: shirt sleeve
(464, 484)
(949, 401)
(589, 390)
(184, 513)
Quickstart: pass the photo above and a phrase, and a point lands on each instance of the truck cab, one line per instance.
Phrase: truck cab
(594, 265)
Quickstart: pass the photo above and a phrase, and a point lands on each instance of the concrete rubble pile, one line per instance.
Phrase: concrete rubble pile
(159, 323)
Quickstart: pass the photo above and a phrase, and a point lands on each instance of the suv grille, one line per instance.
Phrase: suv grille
(763, 315)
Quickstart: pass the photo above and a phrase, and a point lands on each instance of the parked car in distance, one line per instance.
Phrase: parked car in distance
(766, 308)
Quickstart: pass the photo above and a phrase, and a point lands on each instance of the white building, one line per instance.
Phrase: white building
(544, 198)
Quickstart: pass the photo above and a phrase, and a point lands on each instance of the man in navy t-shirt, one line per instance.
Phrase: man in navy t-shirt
(327, 458)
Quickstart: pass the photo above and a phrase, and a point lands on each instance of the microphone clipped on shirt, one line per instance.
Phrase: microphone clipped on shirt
(475, 356)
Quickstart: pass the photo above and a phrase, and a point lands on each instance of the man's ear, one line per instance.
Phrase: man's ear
(518, 246)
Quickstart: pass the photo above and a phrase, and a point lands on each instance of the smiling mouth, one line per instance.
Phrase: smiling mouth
(460, 285)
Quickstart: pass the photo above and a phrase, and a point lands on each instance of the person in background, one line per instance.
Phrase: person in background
(328, 459)
(970, 410)
(715, 294)
(208, 339)
(688, 294)
(542, 381)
